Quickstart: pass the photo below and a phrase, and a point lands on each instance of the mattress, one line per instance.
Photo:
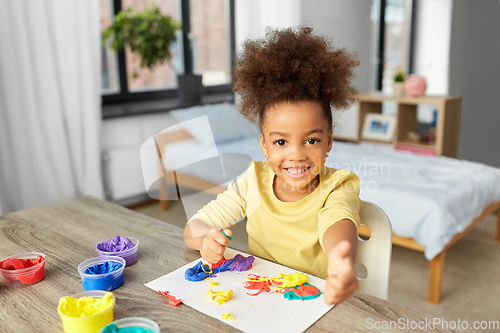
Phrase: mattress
(427, 198)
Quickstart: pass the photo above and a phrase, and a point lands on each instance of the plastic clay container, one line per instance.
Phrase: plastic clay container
(130, 255)
(26, 276)
(89, 324)
(107, 281)
(136, 322)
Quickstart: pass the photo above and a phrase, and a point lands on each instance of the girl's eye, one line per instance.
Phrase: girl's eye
(312, 141)
(280, 143)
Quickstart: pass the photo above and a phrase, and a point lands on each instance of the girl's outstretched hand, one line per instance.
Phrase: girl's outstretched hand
(214, 245)
(342, 281)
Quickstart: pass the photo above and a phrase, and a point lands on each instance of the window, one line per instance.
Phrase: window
(391, 39)
(163, 76)
(206, 47)
(109, 60)
(210, 40)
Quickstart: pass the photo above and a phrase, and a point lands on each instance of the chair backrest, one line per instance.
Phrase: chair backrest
(375, 253)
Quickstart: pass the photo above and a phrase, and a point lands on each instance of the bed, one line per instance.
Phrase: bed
(431, 201)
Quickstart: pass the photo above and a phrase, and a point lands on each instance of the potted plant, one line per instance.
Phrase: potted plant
(150, 34)
(398, 84)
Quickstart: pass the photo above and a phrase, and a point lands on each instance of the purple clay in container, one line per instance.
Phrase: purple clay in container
(124, 247)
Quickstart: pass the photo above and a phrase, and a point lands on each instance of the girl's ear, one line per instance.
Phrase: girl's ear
(263, 145)
(330, 140)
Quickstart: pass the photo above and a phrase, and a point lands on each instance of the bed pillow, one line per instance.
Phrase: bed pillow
(226, 123)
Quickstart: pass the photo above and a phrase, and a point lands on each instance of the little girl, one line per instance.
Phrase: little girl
(299, 213)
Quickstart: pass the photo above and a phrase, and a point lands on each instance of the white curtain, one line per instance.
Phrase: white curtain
(50, 96)
(253, 16)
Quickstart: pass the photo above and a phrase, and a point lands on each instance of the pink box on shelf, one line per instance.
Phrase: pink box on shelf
(421, 151)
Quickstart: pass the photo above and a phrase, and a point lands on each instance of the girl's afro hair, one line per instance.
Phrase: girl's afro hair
(293, 65)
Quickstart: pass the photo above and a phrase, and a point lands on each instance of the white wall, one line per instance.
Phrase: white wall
(474, 73)
(432, 43)
(253, 16)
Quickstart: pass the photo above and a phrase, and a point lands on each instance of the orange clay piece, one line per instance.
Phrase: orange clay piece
(173, 301)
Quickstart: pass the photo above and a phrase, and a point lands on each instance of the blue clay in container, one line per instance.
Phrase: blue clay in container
(107, 281)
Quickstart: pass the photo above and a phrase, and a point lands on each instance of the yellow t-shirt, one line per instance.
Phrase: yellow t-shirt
(289, 233)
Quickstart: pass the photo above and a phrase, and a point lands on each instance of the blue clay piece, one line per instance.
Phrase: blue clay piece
(196, 273)
(107, 267)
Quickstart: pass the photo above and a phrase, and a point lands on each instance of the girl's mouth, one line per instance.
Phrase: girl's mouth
(297, 173)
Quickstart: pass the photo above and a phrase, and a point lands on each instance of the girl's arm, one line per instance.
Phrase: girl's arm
(203, 231)
(340, 243)
(342, 230)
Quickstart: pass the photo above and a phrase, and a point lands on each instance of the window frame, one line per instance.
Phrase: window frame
(380, 56)
(125, 96)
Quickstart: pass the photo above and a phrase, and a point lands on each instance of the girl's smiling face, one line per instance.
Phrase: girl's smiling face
(295, 137)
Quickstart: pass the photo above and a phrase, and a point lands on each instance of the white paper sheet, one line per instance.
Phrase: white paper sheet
(262, 313)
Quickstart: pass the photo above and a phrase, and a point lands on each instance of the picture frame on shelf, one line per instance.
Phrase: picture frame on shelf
(377, 126)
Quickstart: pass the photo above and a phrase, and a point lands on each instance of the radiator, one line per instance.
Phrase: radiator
(122, 174)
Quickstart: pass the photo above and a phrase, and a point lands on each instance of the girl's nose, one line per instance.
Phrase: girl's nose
(297, 153)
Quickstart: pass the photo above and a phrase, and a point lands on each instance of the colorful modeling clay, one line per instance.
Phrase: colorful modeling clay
(219, 263)
(259, 283)
(85, 306)
(213, 284)
(201, 271)
(198, 272)
(303, 292)
(29, 276)
(115, 244)
(173, 301)
(220, 296)
(278, 283)
(112, 328)
(15, 263)
(240, 263)
(289, 280)
(227, 316)
(106, 267)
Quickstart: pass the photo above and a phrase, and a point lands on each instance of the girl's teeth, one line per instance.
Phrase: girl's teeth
(295, 171)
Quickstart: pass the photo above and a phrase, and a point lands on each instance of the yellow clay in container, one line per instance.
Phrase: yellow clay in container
(86, 312)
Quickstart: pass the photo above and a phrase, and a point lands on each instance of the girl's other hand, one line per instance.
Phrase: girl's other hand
(342, 281)
(214, 245)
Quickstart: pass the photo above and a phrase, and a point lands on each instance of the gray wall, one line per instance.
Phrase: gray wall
(474, 73)
(348, 23)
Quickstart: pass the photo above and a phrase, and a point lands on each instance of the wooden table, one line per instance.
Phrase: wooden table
(67, 232)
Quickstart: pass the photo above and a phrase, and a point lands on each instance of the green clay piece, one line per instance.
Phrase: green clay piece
(308, 291)
(112, 328)
(228, 237)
